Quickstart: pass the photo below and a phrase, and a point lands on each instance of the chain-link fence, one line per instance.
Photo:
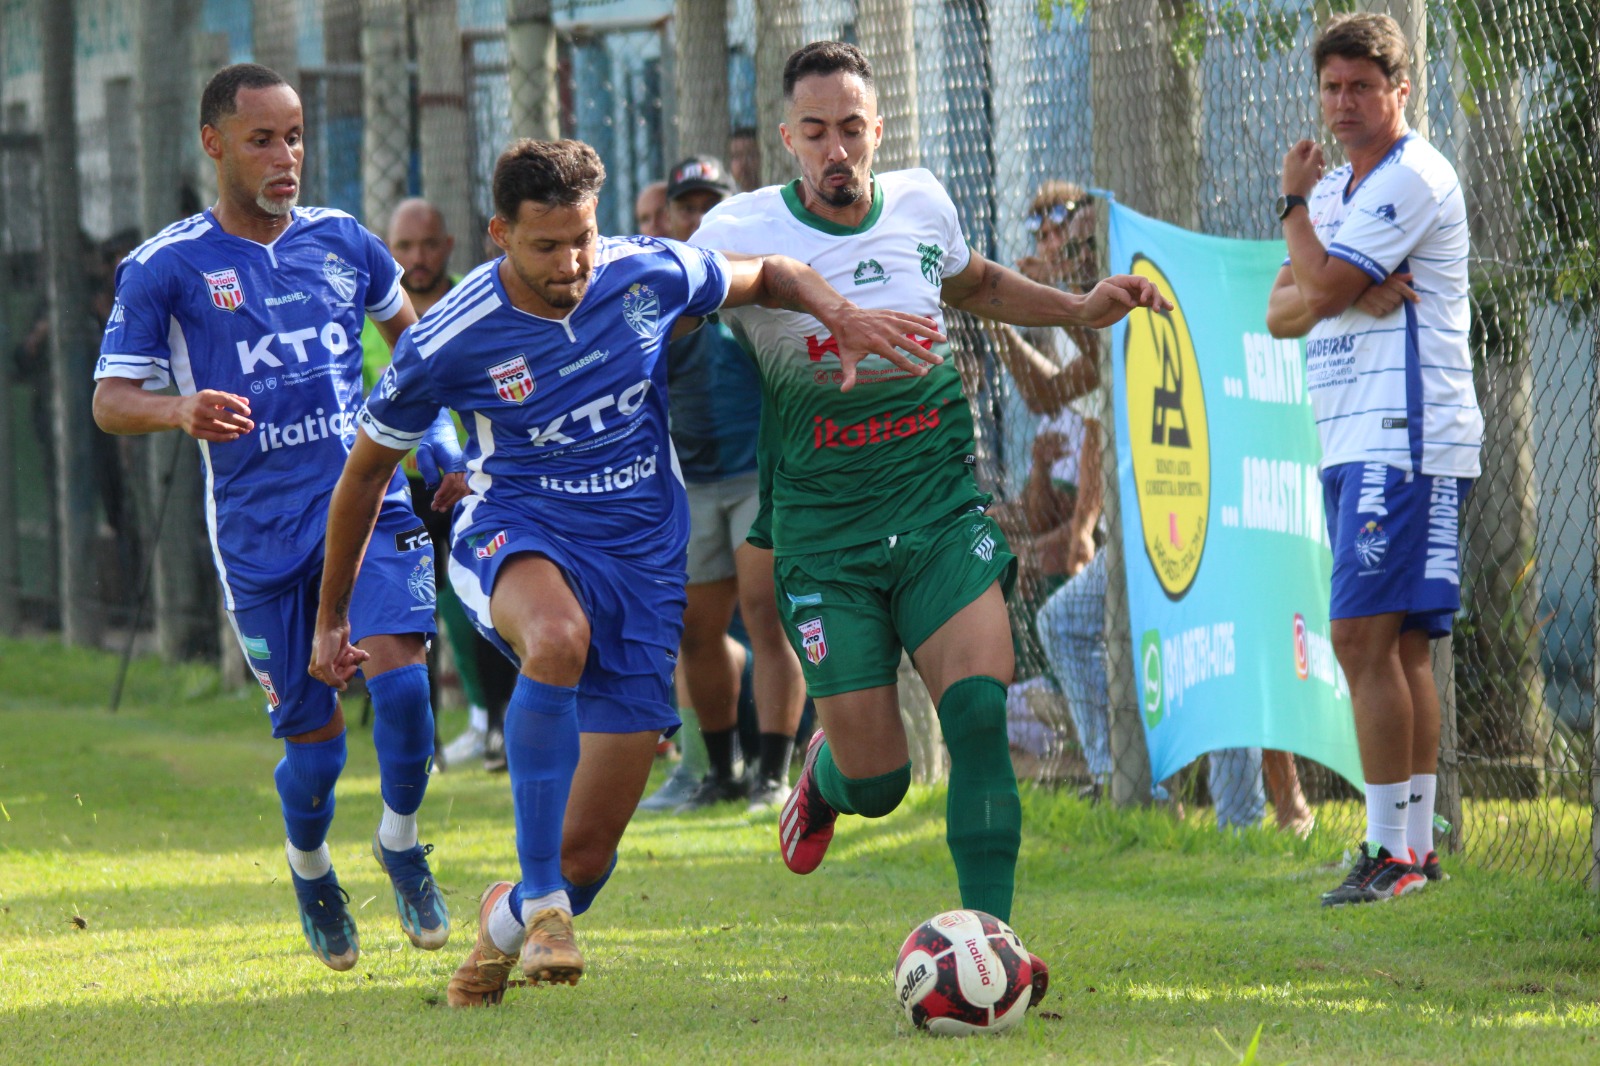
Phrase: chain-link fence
(1182, 108)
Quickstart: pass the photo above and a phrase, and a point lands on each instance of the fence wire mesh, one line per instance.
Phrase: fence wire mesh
(1183, 108)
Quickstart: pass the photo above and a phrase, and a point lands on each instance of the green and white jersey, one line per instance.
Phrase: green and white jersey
(895, 452)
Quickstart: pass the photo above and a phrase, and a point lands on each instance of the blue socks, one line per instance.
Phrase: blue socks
(402, 733)
(305, 779)
(582, 896)
(541, 734)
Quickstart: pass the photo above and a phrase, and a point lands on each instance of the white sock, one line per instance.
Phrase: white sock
(397, 832)
(1386, 816)
(1419, 816)
(310, 865)
(478, 718)
(504, 928)
(557, 899)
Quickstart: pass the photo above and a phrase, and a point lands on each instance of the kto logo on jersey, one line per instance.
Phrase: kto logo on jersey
(340, 275)
(1170, 437)
(494, 544)
(513, 381)
(627, 404)
(640, 309)
(226, 292)
(1302, 649)
(813, 640)
(1372, 544)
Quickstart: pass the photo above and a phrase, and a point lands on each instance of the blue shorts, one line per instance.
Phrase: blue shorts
(635, 613)
(394, 594)
(1396, 540)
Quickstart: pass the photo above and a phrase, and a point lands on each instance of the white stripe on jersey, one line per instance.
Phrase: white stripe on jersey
(183, 377)
(458, 299)
(186, 230)
(439, 338)
(478, 479)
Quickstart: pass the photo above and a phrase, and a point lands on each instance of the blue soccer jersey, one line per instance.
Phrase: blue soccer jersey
(279, 324)
(566, 419)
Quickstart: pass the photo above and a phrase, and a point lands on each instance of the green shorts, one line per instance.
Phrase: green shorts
(849, 612)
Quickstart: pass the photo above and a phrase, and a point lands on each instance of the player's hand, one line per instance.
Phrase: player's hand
(451, 491)
(1381, 300)
(334, 660)
(1302, 168)
(860, 332)
(1110, 301)
(211, 415)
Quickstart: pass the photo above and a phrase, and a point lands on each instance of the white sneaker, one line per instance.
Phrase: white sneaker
(464, 748)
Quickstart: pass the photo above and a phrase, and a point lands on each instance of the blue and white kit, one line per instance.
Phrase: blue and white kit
(568, 454)
(279, 324)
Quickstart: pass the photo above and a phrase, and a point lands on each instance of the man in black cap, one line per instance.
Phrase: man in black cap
(715, 409)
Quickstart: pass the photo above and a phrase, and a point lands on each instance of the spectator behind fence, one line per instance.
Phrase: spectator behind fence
(744, 159)
(650, 210)
(715, 411)
(1376, 279)
(231, 305)
(421, 245)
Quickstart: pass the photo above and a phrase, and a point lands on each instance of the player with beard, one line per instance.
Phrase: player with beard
(570, 553)
(879, 530)
(253, 309)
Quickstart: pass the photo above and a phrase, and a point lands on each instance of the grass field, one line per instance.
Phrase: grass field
(145, 916)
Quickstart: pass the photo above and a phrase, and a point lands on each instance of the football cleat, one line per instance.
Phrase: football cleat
(324, 916)
(768, 793)
(679, 786)
(1376, 876)
(423, 913)
(480, 980)
(550, 952)
(805, 826)
(462, 750)
(713, 790)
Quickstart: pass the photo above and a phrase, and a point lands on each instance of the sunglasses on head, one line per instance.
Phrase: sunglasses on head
(1055, 214)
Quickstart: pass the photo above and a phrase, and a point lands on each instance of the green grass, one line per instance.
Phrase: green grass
(1168, 943)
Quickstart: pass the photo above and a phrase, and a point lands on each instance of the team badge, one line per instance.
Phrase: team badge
(869, 271)
(813, 640)
(226, 292)
(486, 551)
(266, 686)
(341, 275)
(1372, 544)
(932, 258)
(641, 309)
(420, 583)
(513, 381)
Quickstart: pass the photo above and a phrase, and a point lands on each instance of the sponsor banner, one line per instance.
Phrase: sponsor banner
(1223, 534)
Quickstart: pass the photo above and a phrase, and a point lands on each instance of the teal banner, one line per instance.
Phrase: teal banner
(1222, 526)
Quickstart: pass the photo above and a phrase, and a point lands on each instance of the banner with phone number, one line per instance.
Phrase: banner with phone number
(1223, 532)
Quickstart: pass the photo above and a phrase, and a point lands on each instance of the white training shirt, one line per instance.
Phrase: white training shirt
(1397, 389)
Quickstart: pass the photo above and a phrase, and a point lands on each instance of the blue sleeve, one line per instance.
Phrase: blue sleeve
(384, 295)
(402, 407)
(135, 341)
(708, 275)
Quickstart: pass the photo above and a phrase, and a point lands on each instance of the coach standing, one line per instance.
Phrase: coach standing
(1376, 279)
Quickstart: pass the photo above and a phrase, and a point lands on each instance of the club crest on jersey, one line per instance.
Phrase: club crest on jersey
(814, 640)
(640, 309)
(1372, 544)
(495, 543)
(226, 292)
(420, 582)
(341, 275)
(932, 257)
(513, 381)
(265, 680)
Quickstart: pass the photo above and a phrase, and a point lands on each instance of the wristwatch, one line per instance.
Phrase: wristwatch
(1286, 204)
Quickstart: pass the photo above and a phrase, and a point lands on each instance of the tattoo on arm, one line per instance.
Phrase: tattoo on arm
(782, 286)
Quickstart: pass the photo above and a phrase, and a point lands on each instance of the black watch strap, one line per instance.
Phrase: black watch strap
(1287, 203)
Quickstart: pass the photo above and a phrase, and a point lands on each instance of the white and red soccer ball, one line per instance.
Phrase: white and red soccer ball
(964, 972)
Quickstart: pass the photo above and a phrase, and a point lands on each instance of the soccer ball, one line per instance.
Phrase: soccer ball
(964, 972)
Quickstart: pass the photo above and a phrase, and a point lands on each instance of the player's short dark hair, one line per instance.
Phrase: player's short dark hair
(221, 96)
(550, 173)
(743, 131)
(1364, 35)
(825, 57)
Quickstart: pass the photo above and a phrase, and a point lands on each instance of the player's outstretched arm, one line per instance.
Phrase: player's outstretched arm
(780, 282)
(989, 290)
(122, 405)
(352, 512)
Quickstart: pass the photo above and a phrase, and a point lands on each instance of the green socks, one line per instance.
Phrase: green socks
(983, 815)
(870, 797)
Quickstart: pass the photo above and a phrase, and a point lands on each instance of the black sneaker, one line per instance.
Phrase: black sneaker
(767, 794)
(494, 749)
(713, 790)
(1376, 876)
(1430, 867)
